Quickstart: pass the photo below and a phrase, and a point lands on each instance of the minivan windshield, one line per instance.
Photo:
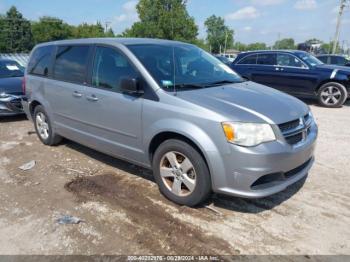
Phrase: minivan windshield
(183, 66)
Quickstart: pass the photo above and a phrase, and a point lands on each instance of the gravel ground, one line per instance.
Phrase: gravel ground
(124, 213)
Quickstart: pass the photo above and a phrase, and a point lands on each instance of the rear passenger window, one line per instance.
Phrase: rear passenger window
(40, 61)
(109, 68)
(71, 63)
(249, 60)
(266, 59)
(337, 60)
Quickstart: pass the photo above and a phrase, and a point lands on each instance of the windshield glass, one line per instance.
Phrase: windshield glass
(310, 59)
(10, 69)
(183, 66)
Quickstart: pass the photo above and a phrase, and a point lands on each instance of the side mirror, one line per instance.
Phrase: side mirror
(130, 86)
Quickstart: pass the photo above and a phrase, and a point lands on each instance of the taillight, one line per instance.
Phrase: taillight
(24, 85)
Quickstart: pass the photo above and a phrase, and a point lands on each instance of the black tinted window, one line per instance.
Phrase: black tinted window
(109, 68)
(249, 60)
(324, 59)
(266, 59)
(40, 61)
(338, 60)
(71, 63)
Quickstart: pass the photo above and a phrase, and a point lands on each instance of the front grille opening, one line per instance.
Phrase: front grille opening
(276, 178)
(292, 140)
(267, 180)
(289, 125)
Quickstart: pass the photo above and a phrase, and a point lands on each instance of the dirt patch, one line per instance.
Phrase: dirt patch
(157, 230)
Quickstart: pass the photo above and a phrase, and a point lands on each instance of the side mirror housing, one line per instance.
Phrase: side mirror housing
(131, 86)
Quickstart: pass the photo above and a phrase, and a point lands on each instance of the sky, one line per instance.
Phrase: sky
(252, 20)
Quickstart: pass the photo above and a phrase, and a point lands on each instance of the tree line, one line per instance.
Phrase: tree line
(164, 19)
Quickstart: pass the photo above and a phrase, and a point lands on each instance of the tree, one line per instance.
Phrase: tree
(51, 29)
(16, 35)
(166, 19)
(287, 43)
(256, 46)
(219, 36)
(240, 46)
(86, 31)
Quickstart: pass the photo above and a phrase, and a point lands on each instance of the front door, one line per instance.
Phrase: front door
(114, 117)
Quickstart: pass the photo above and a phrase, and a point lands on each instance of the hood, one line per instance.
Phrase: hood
(248, 102)
(11, 85)
(330, 68)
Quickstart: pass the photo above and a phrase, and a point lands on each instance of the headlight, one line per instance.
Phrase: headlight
(4, 95)
(248, 134)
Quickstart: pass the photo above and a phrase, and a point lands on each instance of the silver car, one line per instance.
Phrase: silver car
(173, 108)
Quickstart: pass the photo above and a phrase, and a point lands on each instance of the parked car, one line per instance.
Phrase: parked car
(224, 59)
(230, 57)
(297, 73)
(173, 108)
(334, 60)
(11, 75)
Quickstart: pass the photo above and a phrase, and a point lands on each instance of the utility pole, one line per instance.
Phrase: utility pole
(107, 23)
(225, 41)
(337, 31)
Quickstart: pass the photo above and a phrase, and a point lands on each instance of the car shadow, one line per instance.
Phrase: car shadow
(226, 202)
(8, 119)
(111, 161)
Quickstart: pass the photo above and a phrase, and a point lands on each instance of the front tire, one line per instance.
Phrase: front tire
(43, 127)
(332, 95)
(181, 173)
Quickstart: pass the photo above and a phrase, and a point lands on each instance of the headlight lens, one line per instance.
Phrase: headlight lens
(4, 95)
(248, 134)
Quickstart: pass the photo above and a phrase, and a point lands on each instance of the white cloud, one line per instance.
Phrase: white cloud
(247, 28)
(249, 12)
(305, 4)
(267, 2)
(129, 13)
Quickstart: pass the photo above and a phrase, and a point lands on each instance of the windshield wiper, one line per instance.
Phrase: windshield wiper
(189, 85)
(222, 82)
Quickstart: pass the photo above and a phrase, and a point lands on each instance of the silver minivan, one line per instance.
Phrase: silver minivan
(173, 108)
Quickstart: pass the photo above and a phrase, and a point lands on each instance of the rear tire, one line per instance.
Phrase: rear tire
(332, 95)
(181, 173)
(43, 127)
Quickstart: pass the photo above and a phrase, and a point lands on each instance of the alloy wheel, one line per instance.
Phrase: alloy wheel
(331, 95)
(42, 125)
(178, 173)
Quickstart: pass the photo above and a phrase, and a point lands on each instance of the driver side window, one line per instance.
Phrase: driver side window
(289, 60)
(109, 68)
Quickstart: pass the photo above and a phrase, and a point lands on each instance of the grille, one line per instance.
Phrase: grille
(295, 131)
(289, 125)
(294, 139)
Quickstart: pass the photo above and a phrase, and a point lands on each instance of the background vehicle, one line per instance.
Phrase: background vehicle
(172, 107)
(11, 77)
(297, 73)
(334, 60)
(224, 59)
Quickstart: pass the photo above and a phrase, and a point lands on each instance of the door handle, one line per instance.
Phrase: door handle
(77, 94)
(92, 98)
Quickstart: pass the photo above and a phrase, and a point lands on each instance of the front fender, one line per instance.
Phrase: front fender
(192, 132)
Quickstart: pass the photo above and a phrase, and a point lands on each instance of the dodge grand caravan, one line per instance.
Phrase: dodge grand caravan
(174, 108)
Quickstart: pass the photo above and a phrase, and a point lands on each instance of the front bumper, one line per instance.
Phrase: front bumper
(266, 169)
(11, 106)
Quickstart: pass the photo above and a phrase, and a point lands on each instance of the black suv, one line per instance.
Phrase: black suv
(297, 73)
(334, 60)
